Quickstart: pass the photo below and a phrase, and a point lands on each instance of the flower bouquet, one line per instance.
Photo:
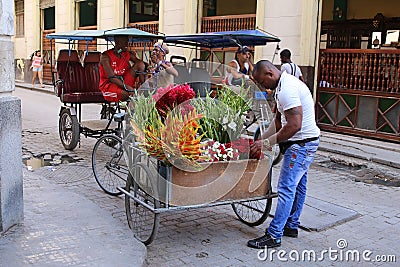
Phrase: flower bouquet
(167, 126)
(171, 124)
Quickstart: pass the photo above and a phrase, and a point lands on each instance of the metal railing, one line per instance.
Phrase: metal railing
(228, 23)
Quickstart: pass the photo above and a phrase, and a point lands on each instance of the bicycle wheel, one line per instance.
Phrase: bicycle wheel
(253, 212)
(142, 221)
(108, 164)
(68, 129)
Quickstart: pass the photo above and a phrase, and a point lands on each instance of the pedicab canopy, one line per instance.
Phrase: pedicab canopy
(135, 35)
(223, 39)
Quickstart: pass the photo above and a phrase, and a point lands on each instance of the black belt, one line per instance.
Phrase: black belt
(285, 145)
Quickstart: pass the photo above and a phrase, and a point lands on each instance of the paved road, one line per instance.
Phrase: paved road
(215, 237)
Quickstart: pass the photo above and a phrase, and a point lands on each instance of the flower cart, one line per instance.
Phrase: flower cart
(187, 152)
(185, 149)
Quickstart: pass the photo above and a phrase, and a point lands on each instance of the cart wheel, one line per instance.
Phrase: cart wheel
(108, 164)
(68, 128)
(253, 212)
(142, 221)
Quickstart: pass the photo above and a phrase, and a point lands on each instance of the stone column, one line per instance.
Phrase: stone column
(11, 200)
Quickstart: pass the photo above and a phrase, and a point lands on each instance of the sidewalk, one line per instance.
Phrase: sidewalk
(63, 228)
(48, 89)
(387, 153)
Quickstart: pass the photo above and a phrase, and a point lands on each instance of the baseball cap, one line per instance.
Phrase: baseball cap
(244, 49)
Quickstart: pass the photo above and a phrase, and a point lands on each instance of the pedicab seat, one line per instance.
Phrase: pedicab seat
(181, 68)
(76, 83)
(199, 78)
(91, 67)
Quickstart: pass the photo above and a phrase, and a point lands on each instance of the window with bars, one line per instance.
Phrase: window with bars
(19, 18)
(143, 10)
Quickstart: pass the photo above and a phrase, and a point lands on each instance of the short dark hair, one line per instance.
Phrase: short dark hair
(286, 53)
(263, 64)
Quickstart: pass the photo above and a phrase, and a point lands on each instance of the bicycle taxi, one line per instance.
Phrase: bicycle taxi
(76, 81)
(175, 153)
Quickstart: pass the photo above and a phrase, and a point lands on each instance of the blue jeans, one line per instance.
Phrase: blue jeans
(292, 187)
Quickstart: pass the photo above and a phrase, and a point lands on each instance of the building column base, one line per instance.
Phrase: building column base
(11, 182)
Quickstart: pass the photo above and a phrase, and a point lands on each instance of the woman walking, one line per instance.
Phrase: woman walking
(37, 67)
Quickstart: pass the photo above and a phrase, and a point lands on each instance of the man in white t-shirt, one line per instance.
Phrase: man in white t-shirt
(295, 130)
(289, 66)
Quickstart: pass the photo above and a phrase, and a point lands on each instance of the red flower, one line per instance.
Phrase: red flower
(169, 97)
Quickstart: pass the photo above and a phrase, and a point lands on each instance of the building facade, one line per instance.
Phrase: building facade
(35, 19)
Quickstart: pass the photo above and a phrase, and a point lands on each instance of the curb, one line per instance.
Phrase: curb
(371, 159)
(361, 141)
(47, 89)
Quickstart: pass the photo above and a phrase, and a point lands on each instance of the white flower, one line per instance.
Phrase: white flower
(232, 125)
(224, 156)
(229, 154)
(225, 120)
(216, 145)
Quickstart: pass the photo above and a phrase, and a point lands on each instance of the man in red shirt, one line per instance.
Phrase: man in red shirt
(117, 62)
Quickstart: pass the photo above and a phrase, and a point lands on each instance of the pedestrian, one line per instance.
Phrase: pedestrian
(295, 130)
(37, 67)
(115, 63)
(164, 71)
(289, 66)
(240, 68)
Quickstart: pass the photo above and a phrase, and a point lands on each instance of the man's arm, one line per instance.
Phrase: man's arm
(232, 69)
(140, 67)
(274, 127)
(169, 68)
(301, 78)
(294, 118)
(105, 63)
(251, 66)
